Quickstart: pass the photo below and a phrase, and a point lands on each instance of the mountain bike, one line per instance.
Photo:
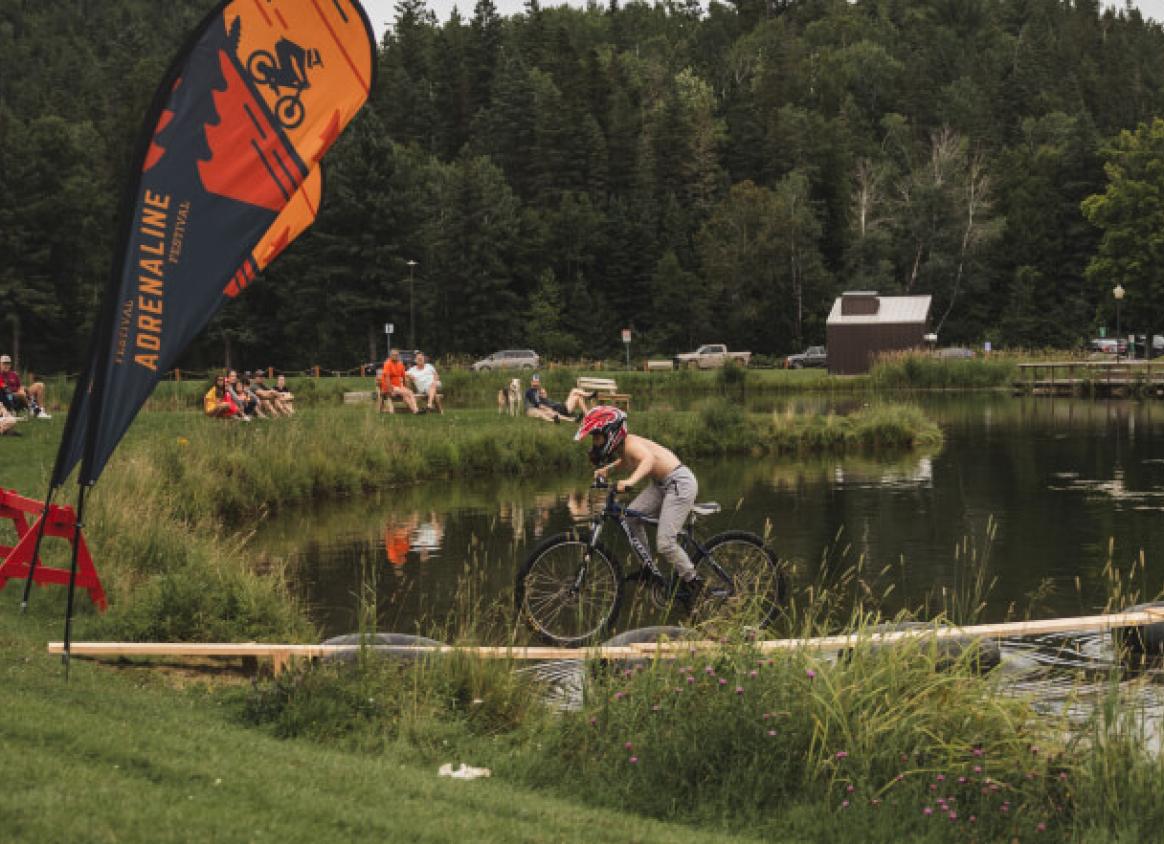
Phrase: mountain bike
(570, 588)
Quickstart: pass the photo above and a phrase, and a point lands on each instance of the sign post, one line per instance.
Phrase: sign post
(626, 338)
(388, 328)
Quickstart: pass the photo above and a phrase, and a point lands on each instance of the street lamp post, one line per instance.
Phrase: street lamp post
(1118, 293)
(411, 307)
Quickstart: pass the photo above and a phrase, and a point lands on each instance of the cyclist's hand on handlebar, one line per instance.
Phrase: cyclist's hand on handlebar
(622, 486)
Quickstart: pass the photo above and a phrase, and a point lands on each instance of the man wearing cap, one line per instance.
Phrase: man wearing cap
(539, 406)
(14, 395)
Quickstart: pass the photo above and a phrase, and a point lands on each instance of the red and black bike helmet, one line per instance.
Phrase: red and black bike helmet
(603, 419)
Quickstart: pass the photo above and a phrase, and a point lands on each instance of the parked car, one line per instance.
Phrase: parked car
(812, 356)
(407, 357)
(711, 356)
(508, 359)
(954, 353)
(1146, 351)
(1108, 346)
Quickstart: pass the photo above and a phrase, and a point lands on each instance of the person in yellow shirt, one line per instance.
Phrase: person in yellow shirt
(217, 402)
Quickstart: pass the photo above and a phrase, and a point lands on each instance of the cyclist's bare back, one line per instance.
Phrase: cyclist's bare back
(642, 457)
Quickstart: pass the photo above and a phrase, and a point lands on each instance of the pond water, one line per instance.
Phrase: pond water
(1045, 491)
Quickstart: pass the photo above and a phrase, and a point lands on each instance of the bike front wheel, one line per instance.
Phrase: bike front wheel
(742, 579)
(569, 593)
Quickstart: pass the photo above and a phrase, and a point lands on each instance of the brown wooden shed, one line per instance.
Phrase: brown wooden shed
(862, 324)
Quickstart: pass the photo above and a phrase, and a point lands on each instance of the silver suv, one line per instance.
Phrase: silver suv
(508, 359)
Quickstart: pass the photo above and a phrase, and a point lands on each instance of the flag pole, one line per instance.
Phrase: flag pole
(73, 578)
(36, 550)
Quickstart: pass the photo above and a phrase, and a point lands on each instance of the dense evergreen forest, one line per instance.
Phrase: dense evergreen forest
(711, 174)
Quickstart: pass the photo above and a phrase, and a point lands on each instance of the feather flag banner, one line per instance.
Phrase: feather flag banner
(229, 173)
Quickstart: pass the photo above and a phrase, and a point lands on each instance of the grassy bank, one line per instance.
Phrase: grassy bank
(889, 744)
(129, 755)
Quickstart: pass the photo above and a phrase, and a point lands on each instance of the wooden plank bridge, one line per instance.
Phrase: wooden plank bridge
(282, 656)
(1098, 378)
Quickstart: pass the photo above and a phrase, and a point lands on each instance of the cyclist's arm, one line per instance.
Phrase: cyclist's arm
(604, 471)
(646, 463)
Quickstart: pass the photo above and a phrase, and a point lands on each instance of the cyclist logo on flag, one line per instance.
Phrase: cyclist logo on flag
(285, 73)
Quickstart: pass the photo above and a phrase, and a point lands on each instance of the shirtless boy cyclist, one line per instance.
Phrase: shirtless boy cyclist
(670, 495)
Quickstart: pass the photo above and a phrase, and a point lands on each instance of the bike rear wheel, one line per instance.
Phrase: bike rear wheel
(742, 579)
(565, 598)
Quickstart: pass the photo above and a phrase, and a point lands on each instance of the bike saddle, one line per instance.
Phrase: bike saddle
(706, 508)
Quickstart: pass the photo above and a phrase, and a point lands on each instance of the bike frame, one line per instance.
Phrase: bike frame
(621, 515)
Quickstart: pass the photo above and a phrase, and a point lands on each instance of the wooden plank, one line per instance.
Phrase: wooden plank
(1001, 630)
(283, 654)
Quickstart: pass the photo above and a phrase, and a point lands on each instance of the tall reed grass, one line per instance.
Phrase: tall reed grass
(923, 371)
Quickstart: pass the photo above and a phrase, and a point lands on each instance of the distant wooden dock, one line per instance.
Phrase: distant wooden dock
(1097, 379)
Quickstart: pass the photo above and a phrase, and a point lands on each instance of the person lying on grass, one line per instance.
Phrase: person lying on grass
(539, 406)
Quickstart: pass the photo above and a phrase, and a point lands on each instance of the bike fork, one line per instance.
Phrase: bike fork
(580, 578)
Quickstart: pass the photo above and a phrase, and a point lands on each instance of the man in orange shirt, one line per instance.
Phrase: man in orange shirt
(392, 384)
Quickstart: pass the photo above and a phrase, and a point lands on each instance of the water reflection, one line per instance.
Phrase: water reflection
(420, 536)
(1059, 478)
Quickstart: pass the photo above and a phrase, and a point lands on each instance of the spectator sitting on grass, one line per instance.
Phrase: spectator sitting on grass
(539, 406)
(268, 399)
(427, 382)
(16, 397)
(285, 395)
(219, 402)
(8, 421)
(246, 404)
(260, 409)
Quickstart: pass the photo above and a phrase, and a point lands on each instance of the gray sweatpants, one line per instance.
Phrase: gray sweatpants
(671, 500)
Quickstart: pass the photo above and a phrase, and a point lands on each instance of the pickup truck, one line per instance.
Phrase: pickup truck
(712, 356)
(812, 356)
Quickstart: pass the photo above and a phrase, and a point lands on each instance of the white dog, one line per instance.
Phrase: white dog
(509, 398)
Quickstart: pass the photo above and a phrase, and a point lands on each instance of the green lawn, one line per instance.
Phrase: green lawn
(124, 755)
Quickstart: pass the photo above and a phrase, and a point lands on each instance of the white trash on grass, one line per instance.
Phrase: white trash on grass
(465, 772)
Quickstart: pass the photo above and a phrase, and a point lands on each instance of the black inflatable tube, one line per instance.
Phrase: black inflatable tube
(398, 645)
(985, 654)
(1145, 641)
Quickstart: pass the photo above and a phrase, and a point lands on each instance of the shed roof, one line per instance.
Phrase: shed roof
(893, 310)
